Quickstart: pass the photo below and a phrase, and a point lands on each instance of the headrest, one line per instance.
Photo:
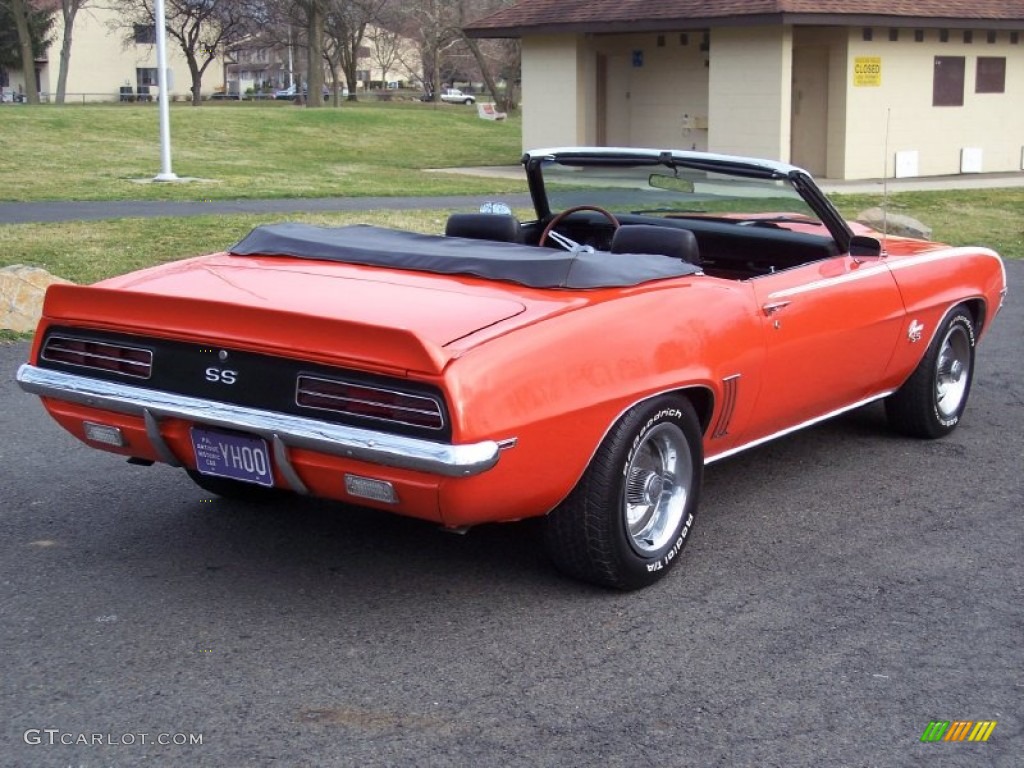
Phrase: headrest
(499, 227)
(647, 238)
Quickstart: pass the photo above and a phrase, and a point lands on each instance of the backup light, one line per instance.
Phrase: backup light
(369, 488)
(103, 433)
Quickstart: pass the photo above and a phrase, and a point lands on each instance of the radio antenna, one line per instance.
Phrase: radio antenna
(885, 182)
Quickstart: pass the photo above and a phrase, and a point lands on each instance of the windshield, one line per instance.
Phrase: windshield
(679, 192)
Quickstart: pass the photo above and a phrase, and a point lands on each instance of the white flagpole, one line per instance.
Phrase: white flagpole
(163, 97)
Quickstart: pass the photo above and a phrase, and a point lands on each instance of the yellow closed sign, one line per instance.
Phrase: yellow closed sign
(867, 71)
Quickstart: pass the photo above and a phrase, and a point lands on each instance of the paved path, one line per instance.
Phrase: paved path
(20, 213)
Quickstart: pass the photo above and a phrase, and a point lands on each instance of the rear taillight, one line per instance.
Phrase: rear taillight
(99, 355)
(365, 401)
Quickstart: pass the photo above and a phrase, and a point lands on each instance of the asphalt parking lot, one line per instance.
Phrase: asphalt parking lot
(843, 589)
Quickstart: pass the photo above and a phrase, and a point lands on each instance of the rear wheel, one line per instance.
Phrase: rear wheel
(628, 518)
(933, 399)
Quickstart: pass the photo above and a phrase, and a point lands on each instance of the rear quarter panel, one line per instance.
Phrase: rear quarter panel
(558, 386)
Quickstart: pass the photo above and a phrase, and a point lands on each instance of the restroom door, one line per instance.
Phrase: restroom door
(613, 101)
(809, 127)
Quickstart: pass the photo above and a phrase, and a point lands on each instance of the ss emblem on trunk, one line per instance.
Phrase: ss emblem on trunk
(221, 375)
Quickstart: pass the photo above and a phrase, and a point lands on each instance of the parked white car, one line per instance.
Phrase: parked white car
(455, 96)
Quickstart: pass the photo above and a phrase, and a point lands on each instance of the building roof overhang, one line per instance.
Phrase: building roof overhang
(545, 17)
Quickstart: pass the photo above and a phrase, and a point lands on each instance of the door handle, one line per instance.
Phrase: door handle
(772, 307)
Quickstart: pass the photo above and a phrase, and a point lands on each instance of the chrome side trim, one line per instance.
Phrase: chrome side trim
(294, 431)
(802, 425)
(285, 465)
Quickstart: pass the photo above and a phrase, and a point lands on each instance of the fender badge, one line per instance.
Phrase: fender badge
(914, 331)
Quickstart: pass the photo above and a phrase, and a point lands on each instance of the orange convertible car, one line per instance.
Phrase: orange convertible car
(658, 311)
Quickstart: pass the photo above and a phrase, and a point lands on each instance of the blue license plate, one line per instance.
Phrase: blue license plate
(231, 455)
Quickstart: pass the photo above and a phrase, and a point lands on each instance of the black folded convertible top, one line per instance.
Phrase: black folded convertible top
(524, 264)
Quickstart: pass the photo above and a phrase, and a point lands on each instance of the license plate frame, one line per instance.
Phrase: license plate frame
(232, 455)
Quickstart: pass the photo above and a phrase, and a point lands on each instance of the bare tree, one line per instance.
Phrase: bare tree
(199, 27)
(436, 26)
(495, 58)
(69, 10)
(22, 12)
(313, 15)
(344, 30)
(387, 48)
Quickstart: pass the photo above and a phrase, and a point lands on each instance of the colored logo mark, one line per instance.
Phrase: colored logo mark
(958, 730)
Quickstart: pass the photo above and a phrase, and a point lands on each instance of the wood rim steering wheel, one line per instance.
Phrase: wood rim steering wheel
(568, 211)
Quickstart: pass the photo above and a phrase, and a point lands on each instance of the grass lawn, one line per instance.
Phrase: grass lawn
(87, 251)
(250, 150)
(993, 218)
(273, 149)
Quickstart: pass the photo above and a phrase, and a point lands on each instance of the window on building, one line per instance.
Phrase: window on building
(948, 81)
(894, 35)
(991, 36)
(943, 35)
(5, 80)
(868, 34)
(145, 76)
(968, 36)
(990, 76)
(145, 34)
(1014, 38)
(918, 35)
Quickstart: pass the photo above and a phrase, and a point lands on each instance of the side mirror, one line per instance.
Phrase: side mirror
(862, 245)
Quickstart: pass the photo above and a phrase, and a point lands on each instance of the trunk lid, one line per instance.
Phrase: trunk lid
(331, 312)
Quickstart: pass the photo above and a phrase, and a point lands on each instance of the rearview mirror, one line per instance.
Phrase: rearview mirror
(670, 183)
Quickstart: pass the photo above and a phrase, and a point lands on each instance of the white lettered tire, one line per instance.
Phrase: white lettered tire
(630, 515)
(932, 401)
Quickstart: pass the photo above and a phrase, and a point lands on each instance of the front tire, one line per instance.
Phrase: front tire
(628, 518)
(932, 401)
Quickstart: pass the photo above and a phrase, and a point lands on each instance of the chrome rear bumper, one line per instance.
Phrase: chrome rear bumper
(293, 431)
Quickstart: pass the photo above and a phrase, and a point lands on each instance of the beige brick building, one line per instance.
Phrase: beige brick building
(849, 89)
(103, 61)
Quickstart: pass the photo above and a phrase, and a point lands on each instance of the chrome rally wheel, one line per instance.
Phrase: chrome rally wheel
(953, 371)
(932, 401)
(658, 478)
(630, 514)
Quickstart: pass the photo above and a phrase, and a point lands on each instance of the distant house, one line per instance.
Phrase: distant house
(106, 66)
(848, 89)
(263, 62)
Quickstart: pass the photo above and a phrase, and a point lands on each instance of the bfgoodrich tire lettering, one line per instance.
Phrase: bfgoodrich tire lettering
(932, 401)
(630, 515)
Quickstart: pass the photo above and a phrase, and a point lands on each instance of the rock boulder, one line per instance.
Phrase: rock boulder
(21, 296)
(895, 224)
